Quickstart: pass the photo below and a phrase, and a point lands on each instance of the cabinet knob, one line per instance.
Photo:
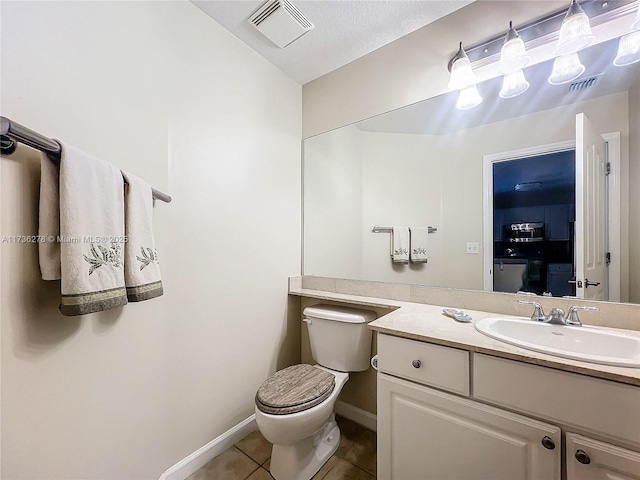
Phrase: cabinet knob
(416, 364)
(582, 457)
(548, 443)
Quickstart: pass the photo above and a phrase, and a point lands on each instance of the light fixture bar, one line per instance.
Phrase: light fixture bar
(548, 28)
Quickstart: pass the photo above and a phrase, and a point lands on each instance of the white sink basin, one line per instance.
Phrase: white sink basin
(587, 344)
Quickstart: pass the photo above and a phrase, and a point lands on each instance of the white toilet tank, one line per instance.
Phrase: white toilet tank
(339, 336)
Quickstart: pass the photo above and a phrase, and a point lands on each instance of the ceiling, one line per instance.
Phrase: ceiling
(345, 30)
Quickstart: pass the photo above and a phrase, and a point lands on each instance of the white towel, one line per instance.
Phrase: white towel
(400, 248)
(49, 219)
(418, 249)
(141, 267)
(91, 208)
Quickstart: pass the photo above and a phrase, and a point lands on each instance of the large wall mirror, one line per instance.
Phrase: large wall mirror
(508, 184)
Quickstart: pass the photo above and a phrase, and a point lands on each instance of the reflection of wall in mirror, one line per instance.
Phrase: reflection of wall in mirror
(437, 180)
(634, 194)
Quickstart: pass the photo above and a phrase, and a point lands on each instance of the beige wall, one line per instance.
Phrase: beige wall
(159, 89)
(634, 194)
(333, 199)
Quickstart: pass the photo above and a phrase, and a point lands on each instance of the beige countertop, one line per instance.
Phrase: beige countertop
(427, 323)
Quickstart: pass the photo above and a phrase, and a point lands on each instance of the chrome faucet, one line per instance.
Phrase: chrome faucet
(538, 313)
(572, 316)
(556, 316)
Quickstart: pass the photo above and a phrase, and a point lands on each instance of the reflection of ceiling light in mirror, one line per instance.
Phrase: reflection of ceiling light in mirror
(628, 49)
(566, 69)
(468, 98)
(513, 56)
(513, 84)
(575, 32)
(461, 73)
(527, 187)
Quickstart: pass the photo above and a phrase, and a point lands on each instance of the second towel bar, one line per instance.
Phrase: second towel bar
(379, 229)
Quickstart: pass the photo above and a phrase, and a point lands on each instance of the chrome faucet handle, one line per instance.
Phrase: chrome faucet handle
(572, 315)
(538, 313)
(556, 316)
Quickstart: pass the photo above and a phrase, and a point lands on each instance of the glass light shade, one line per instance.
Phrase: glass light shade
(566, 68)
(468, 98)
(513, 84)
(513, 56)
(461, 74)
(628, 49)
(575, 33)
(636, 23)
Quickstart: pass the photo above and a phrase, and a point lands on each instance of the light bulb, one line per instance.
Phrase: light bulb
(566, 68)
(513, 84)
(468, 98)
(575, 32)
(513, 56)
(628, 49)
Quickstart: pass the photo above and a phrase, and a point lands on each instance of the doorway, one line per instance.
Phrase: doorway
(615, 242)
(533, 224)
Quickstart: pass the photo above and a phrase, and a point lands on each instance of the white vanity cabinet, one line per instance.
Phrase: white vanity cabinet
(502, 419)
(424, 433)
(427, 434)
(589, 459)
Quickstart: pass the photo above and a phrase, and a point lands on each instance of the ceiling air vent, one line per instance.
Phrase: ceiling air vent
(582, 84)
(280, 21)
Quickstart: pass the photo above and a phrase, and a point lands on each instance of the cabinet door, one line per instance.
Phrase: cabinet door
(557, 219)
(427, 434)
(589, 459)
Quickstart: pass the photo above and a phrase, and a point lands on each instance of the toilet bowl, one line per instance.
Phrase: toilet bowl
(303, 441)
(294, 407)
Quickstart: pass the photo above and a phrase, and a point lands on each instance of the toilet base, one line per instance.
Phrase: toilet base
(303, 459)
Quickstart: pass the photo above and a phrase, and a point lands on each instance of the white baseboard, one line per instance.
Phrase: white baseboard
(215, 447)
(358, 415)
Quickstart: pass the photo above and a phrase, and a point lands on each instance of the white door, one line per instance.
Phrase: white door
(591, 222)
(425, 434)
(588, 459)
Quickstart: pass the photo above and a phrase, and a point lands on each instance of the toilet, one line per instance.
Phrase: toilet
(294, 407)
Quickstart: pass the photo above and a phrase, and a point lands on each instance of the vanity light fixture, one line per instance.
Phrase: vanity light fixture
(566, 68)
(575, 32)
(513, 58)
(629, 45)
(513, 55)
(462, 75)
(463, 79)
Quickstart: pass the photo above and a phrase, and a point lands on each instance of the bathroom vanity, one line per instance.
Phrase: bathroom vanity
(451, 408)
(453, 403)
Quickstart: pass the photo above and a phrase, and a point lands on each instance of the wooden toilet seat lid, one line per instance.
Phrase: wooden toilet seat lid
(294, 389)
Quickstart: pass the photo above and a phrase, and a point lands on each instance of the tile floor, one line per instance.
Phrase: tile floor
(249, 459)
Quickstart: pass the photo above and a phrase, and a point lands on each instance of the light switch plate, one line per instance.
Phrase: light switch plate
(473, 247)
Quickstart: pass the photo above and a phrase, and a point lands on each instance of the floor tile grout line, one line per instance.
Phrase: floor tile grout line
(255, 469)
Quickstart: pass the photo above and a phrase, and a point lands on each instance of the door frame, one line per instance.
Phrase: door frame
(614, 210)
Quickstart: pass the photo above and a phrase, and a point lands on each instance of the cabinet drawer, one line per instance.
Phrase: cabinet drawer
(441, 367)
(589, 459)
(603, 407)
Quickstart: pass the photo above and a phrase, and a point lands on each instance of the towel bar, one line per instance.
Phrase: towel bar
(12, 132)
(379, 229)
